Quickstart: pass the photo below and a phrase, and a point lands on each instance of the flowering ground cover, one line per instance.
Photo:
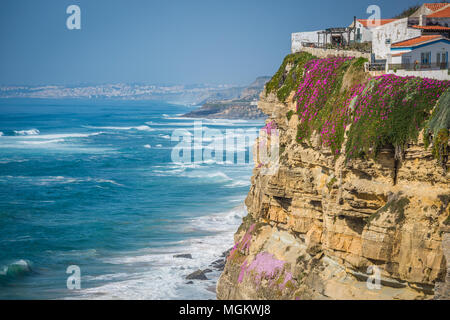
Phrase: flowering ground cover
(387, 110)
(288, 75)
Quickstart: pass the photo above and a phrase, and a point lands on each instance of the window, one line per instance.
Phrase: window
(407, 61)
(425, 57)
(358, 34)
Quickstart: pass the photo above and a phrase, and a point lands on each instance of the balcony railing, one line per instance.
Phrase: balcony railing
(376, 66)
(364, 47)
(419, 66)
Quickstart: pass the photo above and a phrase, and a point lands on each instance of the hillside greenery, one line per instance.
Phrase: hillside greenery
(288, 76)
(339, 101)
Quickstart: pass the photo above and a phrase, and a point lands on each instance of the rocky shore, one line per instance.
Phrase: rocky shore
(202, 274)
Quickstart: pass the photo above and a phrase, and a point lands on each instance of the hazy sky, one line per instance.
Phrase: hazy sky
(161, 41)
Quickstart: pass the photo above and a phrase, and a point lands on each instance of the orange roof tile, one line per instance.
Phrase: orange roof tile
(432, 28)
(379, 22)
(418, 40)
(435, 6)
(443, 13)
(398, 54)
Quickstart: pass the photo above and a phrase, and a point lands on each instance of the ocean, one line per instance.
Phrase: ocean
(92, 184)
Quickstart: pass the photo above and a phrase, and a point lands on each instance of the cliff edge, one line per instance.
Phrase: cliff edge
(359, 205)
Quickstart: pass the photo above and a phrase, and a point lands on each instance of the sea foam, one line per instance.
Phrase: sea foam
(30, 132)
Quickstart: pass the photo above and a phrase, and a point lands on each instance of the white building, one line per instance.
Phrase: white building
(421, 53)
(364, 28)
(362, 33)
(395, 31)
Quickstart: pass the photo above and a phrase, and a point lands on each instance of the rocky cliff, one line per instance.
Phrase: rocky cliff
(235, 103)
(352, 212)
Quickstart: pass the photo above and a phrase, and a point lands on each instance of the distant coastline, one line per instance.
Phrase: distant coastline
(243, 106)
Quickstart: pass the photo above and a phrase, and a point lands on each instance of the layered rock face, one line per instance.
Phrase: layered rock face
(323, 227)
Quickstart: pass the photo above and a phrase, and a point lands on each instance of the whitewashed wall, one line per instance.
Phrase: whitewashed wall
(324, 53)
(432, 74)
(299, 37)
(396, 31)
(366, 33)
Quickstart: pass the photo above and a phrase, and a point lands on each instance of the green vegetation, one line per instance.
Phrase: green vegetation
(394, 206)
(300, 258)
(447, 221)
(290, 114)
(391, 110)
(321, 99)
(440, 147)
(407, 12)
(282, 150)
(285, 81)
(331, 183)
(437, 130)
(359, 62)
(247, 221)
(334, 94)
(336, 99)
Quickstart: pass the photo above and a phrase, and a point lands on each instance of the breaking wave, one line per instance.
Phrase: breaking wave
(16, 269)
(30, 132)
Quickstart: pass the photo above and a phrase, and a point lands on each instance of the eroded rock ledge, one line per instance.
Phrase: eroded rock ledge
(316, 228)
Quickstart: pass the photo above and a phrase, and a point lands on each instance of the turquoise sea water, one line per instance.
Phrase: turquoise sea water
(92, 184)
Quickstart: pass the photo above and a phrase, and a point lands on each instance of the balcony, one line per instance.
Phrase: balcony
(419, 66)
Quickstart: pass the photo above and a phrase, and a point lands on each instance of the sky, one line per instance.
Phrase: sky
(161, 41)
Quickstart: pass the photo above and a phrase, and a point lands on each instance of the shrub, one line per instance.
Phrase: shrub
(284, 81)
(289, 114)
(386, 111)
(318, 98)
(437, 128)
(391, 110)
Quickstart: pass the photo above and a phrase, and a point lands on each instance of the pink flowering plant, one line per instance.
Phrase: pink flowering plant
(391, 111)
(266, 266)
(243, 245)
(269, 127)
(387, 110)
(321, 80)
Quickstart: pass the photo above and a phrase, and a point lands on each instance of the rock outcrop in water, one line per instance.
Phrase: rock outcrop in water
(326, 223)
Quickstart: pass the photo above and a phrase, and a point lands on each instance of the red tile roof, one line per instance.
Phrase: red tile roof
(435, 6)
(398, 54)
(432, 28)
(378, 22)
(415, 41)
(443, 13)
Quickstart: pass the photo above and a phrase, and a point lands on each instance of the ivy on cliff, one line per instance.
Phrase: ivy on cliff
(386, 111)
(437, 130)
(320, 101)
(285, 81)
(391, 110)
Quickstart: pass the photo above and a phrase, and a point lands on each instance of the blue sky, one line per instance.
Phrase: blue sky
(156, 41)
